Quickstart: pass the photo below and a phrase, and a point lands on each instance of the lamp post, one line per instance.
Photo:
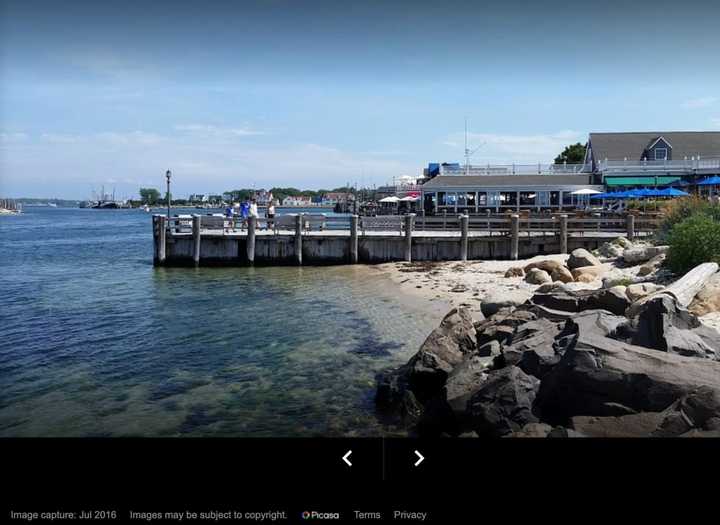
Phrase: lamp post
(168, 174)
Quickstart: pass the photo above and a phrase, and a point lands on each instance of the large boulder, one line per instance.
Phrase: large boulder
(547, 265)
(596, 370)
(504, 402)
(708, 299)
(562, 274)
(532, 430)
(462, 383)
(698, 410)
(537, 276)
(444, 348)
(581, 257)
(494, 301)
(664, 325)
(641, 254)
(612, 299)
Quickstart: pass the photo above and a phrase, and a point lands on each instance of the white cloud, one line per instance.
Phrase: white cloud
(217, 131)
(106, 137)
(697, 103)
(506, 149)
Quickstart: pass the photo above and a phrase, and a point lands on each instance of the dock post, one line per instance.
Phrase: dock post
(464, 222)
(354, 219)
(408, 236)
(196, 219)
(630, 225)
(298, 238)
(250, 242)
(563, 233)
(514, 236)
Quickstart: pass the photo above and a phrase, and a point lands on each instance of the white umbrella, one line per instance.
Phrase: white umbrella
(389, 199)
(408, 199)
(585, 191)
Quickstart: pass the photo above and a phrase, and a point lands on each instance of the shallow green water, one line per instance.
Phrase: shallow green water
(95, 341)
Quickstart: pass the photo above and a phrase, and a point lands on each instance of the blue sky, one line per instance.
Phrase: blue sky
(316, 94)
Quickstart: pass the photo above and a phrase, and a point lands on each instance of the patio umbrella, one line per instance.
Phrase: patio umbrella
(389, 199)
(672, 192)
(711, 181)
(408, 199)
(585, 191)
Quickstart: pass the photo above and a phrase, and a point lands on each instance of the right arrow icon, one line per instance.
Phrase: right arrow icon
(420, 458)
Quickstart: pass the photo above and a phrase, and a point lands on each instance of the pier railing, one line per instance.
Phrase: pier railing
(407, 230)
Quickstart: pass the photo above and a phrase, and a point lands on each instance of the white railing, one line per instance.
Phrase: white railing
(690, 165)
(515, 169)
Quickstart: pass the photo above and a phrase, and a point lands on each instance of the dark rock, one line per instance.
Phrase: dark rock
(444, 348)
(410, 409)
(596, 370)
(698, 410)
(504, 402)
(612, 299)
(501, 326)
(664, 325)
(391, 388)
(532, 348)
(562, 432)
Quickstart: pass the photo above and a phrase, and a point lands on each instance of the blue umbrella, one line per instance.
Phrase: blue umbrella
(672, 192)
(711, 181)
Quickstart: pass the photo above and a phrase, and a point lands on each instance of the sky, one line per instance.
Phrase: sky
(316, 94)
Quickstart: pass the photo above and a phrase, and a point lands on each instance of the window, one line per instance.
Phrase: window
(482, 198)
(660, 153)
(527, 198)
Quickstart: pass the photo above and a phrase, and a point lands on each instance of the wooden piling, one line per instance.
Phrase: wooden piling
(354, 219)
(514, 236)
(630, 224)
(408, 236)
(563, 233)
(464, 224)
(298, 238)
(250, 242)
(196, 222)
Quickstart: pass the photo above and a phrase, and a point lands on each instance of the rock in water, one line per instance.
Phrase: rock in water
(444, 348)
(596, 370)
(537, 276)
(504, 402)
(562, 274)
(664, 325)
(581, 257)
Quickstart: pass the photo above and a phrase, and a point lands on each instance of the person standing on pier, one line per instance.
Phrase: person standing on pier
(244, 212)
(270, 214)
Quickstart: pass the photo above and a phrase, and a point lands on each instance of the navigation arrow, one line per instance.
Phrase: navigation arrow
(345, 458)
(421, 458)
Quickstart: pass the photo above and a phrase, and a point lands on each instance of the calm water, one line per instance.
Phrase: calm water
(94, 341)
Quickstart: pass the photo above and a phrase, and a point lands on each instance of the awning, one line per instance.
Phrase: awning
(640, 181)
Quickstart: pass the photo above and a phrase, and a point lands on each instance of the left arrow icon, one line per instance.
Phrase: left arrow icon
(346, 456)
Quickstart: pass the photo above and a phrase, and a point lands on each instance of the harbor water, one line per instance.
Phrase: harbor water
(95, 341)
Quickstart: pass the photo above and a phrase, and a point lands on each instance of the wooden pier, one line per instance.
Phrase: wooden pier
(210, 240)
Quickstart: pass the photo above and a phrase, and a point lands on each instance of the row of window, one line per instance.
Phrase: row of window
(491, 199)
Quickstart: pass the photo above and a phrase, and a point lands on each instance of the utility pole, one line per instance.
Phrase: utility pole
(168, 174)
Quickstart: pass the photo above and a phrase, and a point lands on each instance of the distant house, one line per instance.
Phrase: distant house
(198, 197)
(263, 197)
(297, 200)
(652, 158)
(332, 198)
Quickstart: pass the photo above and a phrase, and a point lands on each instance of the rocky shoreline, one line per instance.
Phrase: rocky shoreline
(628, 357)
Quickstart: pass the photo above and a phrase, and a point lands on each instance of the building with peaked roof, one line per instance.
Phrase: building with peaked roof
(652, 158)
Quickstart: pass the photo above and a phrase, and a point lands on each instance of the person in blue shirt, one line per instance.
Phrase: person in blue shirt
(244, 211)
(229, 216)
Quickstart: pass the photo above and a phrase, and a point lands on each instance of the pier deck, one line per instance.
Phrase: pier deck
(178, 243)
